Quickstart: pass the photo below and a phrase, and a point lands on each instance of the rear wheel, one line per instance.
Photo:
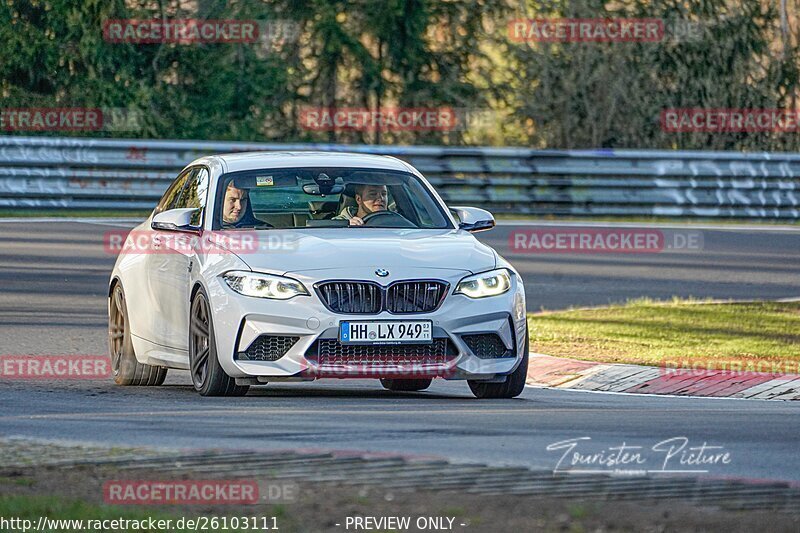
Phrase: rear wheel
(513, 385)
(125, 369)
(208, 377)
(405, 385)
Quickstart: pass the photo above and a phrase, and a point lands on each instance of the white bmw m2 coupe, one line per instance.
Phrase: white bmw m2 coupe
(259, 267)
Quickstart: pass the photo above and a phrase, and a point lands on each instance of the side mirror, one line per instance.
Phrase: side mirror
(473, 219)
(176, 220)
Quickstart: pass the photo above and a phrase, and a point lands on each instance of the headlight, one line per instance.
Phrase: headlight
(264, 285)
(485, 284)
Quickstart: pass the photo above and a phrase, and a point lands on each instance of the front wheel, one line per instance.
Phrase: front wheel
(513, 385)
(208, 377)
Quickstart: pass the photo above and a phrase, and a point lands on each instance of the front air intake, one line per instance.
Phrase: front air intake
(268, 348)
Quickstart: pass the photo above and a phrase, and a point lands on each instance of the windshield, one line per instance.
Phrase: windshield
(325, 197)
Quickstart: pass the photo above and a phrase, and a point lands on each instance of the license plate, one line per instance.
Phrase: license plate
(386, 332)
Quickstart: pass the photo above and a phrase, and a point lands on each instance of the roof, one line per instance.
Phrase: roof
(254, 160)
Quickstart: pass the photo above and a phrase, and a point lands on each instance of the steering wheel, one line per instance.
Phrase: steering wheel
(387, 219)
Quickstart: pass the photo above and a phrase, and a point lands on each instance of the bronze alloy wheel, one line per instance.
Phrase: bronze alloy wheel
(125, 369)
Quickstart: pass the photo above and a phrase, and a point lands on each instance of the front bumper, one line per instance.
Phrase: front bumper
(239, 321)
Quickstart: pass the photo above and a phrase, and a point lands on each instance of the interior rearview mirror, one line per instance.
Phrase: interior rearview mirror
(324, 185)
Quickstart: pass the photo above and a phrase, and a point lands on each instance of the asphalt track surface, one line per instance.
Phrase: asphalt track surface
(52, 301)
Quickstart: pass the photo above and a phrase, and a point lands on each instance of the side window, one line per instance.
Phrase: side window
(172, 195)
(194, 195)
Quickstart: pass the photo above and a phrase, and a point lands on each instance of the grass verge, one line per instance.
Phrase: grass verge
(654, 333)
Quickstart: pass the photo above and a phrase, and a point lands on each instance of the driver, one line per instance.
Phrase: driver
(369, 199)
(236, 212)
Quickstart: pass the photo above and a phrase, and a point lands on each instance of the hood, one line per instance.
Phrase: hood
(284, 251)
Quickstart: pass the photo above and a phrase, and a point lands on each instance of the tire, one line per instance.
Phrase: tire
(208, 377)
(513, 385)
(405, 385)
(125, 369)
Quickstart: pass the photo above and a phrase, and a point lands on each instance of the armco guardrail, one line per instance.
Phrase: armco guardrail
(46, 172)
